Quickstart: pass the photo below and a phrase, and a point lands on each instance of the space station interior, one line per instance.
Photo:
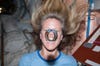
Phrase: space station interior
(16, 32)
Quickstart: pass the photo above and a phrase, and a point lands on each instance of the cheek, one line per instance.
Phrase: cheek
(60, 36)
(42, 36)
(59, 39)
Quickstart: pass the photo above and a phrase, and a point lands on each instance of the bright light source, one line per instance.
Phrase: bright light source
(0, 8)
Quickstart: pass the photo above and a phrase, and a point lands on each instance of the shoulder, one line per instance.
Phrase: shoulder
(28, 55)
(26, 58)
(69, 59)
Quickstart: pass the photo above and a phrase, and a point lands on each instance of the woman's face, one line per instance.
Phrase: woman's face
(54, 24)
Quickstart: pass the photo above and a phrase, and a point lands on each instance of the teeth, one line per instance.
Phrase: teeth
(51, 38)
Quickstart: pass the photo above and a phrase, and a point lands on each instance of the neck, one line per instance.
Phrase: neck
(49, 55)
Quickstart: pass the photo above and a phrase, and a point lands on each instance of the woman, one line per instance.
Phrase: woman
(55, 28)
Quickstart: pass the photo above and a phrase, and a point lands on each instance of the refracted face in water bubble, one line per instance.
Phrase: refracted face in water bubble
(51, 33)
(50, 37)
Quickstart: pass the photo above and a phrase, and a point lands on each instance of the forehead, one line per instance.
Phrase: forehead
(51, 23)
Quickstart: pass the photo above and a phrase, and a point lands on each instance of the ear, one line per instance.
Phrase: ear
(40, 36)
(61, 37)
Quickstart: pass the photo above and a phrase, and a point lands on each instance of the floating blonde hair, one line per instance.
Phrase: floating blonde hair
(70, 16)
